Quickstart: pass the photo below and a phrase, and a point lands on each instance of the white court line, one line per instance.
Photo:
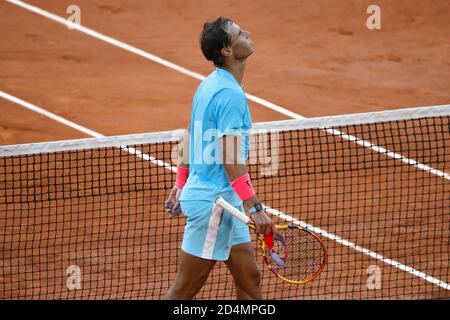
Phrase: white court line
(363, 250)
(80, 128)
(142, 53)
(280, 214)
(198, 76)
(390, 154)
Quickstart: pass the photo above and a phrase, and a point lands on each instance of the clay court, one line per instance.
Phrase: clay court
(312, 59)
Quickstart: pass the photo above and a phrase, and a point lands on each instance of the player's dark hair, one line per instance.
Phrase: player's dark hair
(213, 39)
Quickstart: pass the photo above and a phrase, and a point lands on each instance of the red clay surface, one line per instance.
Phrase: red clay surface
(314, 58)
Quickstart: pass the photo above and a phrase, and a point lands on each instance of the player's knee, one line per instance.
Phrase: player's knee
(257, 276)
(254, 275)
(251, 286)
(192, 284)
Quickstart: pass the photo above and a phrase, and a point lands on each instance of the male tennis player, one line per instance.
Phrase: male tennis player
(218, 148)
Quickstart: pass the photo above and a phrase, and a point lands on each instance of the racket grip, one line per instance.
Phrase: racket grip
(268, 239)
(221, 202)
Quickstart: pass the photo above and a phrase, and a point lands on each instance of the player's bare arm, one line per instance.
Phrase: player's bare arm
(172, 204)
(235, 169)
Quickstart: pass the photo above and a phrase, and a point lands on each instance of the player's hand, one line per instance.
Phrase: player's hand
(278, 236)
(263, 224)
(172, 204)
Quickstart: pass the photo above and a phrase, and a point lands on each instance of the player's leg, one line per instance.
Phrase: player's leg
(191, 276)
(197, 256)
(242, 263)
(247, 276)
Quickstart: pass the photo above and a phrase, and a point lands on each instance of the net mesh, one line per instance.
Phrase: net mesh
(89, 222)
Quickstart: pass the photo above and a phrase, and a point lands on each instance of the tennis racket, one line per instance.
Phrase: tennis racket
(295, 254)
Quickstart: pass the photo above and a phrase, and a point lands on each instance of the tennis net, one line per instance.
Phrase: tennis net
(85, 219)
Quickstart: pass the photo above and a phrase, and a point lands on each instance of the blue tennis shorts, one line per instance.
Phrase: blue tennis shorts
(209, 232)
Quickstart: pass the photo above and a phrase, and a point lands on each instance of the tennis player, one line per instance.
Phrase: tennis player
(218, 149)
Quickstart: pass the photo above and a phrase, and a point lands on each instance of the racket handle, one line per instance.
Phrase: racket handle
(221, 202)
(268, 239)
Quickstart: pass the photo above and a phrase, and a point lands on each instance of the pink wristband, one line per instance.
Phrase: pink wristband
(182, 176)
(243, 187)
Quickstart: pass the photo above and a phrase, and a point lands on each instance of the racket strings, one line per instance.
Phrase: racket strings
(304, 257)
